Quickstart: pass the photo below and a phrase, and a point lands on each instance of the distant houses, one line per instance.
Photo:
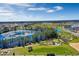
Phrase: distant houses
(75, 28)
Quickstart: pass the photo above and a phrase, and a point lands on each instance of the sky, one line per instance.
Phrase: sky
(38, 11)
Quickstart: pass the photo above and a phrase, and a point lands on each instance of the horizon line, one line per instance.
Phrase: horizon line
(42, 21)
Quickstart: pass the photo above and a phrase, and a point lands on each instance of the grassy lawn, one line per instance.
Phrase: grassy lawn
(43, 50)
(75, 40)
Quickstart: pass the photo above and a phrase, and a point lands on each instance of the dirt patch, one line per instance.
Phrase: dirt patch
(75, 46)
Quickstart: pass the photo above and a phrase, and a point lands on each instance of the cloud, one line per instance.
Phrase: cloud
(11, 13)
(50, 11)
(5, 12)
(57, 8)
(37, 9)
(22, 4)
(8, 13)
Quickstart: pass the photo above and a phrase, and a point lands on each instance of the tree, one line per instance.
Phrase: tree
(5, 29)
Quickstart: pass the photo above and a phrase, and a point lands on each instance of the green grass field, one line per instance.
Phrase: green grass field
(43, 50)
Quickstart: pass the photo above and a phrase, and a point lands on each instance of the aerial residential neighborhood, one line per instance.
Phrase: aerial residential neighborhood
(39, 29)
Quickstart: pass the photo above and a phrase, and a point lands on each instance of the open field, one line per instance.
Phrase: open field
(44, 50)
